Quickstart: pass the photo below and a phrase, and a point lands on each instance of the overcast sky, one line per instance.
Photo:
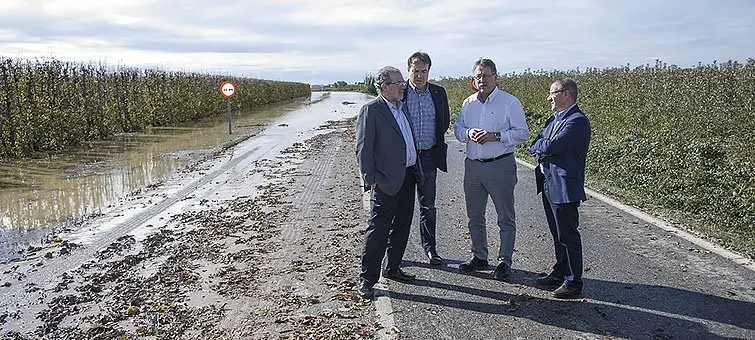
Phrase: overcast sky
(328, 40)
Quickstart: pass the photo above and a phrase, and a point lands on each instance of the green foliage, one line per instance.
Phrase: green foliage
(669, 139)
(369, 84)
(52, 105)
(345, 88)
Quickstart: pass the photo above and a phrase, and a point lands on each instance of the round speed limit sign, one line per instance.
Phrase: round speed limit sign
(227, 89)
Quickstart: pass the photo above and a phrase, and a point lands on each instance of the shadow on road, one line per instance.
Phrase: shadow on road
(608, 307)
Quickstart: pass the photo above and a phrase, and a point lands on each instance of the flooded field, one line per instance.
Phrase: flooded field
(42, 196)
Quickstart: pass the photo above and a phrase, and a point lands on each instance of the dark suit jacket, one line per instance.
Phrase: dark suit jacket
(380, 147)
(442, 122)
(562, 150)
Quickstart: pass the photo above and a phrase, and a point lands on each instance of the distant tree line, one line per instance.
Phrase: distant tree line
(343, 86)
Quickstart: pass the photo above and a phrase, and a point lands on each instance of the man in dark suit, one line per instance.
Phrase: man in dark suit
(388, 165)
(561, 153)
(429, 117)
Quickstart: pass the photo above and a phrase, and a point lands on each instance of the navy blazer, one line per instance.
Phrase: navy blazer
(442, 122)
(562, 150)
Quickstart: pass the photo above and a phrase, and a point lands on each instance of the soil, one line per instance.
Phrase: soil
(281, 265)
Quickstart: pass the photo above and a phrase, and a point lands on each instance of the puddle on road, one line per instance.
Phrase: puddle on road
(39, 197)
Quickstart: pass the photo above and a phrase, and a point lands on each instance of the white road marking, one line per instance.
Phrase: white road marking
(725, 253)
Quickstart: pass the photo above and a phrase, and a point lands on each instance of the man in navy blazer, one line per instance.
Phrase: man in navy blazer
(561, 153)
(387, 158)
(428, 113)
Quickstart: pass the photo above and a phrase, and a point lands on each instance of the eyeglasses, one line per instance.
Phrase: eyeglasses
(557, 92)
(480, 76)
(400, 83)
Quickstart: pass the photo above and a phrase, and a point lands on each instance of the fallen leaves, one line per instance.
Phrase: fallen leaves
(225, 255)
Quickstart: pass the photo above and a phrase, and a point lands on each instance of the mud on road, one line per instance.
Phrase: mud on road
(280, 265)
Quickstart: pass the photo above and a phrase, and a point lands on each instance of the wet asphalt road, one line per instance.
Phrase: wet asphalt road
(640, 282)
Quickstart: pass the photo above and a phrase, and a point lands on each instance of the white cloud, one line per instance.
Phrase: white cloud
(325, 41)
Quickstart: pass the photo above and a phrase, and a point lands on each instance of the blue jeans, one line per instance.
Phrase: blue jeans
(426, 198)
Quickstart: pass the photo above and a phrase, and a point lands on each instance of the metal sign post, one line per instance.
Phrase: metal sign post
(227, 89)
(228, 100)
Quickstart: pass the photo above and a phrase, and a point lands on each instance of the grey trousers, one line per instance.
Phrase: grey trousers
(497, 180)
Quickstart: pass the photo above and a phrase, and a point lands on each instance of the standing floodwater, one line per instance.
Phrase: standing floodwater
(41, 196)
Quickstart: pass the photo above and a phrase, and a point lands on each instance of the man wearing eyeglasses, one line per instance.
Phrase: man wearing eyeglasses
(387, 159)
(491, 123)
(427, 105)
(561, 153)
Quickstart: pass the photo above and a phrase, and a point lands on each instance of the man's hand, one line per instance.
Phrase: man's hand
(474, 134)
(481, 136)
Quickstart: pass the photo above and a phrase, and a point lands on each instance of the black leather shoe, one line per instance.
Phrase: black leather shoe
(434, 258)
(399, 275)
(502, 272)
(473, 264)
(568, 291)
(551, 279)
(365, 290)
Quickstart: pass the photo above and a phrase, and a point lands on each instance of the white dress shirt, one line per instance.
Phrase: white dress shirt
(501, 112)
(406, 131)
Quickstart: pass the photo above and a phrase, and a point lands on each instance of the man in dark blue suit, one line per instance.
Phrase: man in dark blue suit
(561, 153)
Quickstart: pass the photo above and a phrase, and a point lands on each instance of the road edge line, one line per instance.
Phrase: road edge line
(714, 248)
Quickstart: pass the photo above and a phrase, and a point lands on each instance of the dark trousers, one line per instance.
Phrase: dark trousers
(563, 221)
(388, 228)
(426, 197)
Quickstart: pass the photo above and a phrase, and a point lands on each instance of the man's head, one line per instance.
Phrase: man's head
(562, 94)
(418, 66)
(390, 83)
(485, 76)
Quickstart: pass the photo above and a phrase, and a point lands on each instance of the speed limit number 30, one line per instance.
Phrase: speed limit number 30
(227, 89)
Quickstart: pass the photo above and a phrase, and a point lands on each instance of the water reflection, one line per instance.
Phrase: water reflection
(43, 195)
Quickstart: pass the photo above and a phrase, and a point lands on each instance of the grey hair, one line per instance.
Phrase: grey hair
(384, 76)
(569, 85)
(483, 62)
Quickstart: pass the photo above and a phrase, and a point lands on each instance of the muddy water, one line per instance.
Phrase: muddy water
(43, 196)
